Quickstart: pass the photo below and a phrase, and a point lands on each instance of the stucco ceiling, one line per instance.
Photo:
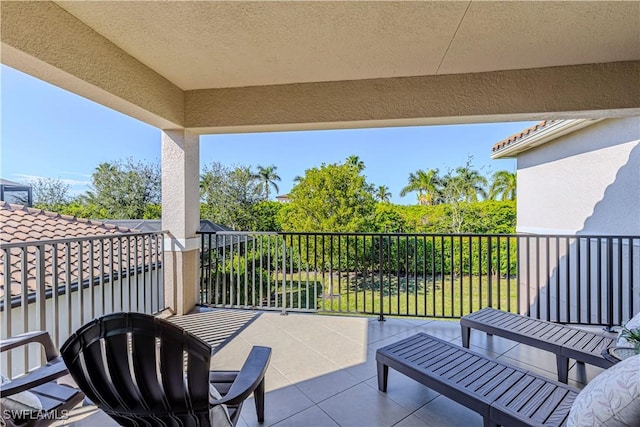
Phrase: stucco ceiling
(198, 45)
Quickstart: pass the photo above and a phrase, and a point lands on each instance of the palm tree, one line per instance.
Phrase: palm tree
(383, 194)
(472, 184)
(101, 178)
(267, 177)
(503, 185)
(426, 184)
(355, 161)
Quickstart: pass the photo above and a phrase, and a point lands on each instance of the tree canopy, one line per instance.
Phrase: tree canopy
(503, 186)
(382, 194)
(266, 178)
(334, 197)
(50, 194)
(229, 194)
(125, 189)
(354, 160)
(465, 184)
(427, 184)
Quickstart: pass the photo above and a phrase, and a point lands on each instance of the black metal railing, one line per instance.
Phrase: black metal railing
(568, 279)
(58, 285)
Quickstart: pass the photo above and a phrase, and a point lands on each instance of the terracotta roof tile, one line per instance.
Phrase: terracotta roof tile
(20, 224)
(38, 224)
(518, 136)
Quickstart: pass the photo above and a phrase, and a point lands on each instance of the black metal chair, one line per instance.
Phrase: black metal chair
(142, 370)
(53, 400)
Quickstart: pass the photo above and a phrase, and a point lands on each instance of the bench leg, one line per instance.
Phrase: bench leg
(258, 396)
(466, 334)
(562, 363)
(383, 375)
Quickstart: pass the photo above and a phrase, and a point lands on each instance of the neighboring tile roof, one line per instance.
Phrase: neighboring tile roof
(19, 224)
(518, 136)
(22, 224)
(156, 225)
(207, 226)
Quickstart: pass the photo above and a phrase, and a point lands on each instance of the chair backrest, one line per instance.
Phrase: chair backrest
(141, 370)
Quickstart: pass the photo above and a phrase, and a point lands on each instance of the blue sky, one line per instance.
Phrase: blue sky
(48, 132)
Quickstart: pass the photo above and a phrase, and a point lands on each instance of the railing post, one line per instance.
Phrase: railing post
(41, 314)
(284, 276)
(205, 269)
(380, 250)
(519, 279)
(489, 271)
(6, 323)
(609, 326)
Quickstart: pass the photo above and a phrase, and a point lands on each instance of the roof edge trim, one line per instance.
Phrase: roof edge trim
(548, 133)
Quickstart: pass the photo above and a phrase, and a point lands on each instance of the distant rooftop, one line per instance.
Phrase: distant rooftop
(536, 135)
(8, 190)
(7, 182)
(156, 225)
(24, 224)
(523, 133)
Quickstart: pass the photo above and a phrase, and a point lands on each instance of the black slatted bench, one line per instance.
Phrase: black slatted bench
(565, 342)
(501, 393)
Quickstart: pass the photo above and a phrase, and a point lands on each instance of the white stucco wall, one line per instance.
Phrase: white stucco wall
(584, 183)
(587, 182)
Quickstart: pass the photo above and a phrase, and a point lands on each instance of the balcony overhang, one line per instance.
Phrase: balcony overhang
(585, 91)
(182, 65)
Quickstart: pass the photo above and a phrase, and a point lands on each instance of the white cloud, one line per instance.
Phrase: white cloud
(68, 181)
(85, 175)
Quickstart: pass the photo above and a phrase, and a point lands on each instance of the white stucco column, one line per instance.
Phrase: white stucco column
(181, 217)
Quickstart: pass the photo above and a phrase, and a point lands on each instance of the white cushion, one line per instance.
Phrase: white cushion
(633, 323)
(218, 414)
(23, 401)
(611, 399)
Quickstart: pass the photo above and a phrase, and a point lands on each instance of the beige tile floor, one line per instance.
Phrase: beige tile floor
(323, 373)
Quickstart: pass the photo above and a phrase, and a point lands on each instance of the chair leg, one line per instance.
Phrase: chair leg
(562, 363)
(383, 375)
(258, 396)
(466, 334)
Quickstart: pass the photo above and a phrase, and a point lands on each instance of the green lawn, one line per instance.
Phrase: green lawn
(413, 296)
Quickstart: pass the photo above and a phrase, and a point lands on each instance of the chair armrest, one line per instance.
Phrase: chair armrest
(41, 337)
(249, 377)
(43, 374)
